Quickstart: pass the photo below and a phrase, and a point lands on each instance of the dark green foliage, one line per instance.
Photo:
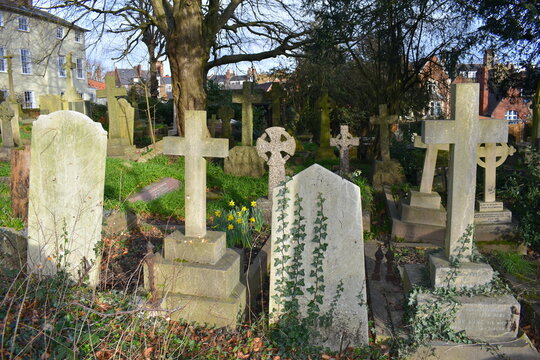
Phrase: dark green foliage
(99, 114)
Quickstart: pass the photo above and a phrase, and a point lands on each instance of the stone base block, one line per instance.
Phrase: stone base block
(214, 311)
(208, 250)
(491, 232)
(120, 150)
(420, 215)
(244, 161)
(493, 318)
(468, 274)
(483, 206)
(493, 217)
(413, 275)
(325, 153)
(196, 279)
(387, 173)
(419, 199)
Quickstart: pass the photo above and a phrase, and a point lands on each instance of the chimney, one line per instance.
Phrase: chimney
(99, 76)
(484, 90)
(249, 74)
(228, 74)
(489, 58)
(138, 68)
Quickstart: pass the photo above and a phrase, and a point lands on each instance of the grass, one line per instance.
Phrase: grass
(514, 263)
(6, 214)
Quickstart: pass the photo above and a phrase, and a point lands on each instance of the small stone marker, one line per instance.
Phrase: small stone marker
(336, 223)
(196, 271)
(383, 120)
(67, 178)
(464, 134)
(325, 105)
(277, 94)
(276, 141)
(156, 190)
(344, 141)
(247, 99)
(226, 113)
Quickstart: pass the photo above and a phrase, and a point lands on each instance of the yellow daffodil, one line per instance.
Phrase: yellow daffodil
(239, 213)
(231, 217)
(231, 203)
(244, 208)
(230, 227)
(252, 219)
(239, 221)
(253, 203)
(218, 213)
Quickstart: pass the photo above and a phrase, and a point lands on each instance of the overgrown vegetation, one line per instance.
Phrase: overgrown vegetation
(239, 222)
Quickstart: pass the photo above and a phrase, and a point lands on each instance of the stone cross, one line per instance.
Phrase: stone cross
(247, 99)
(430, 161)
(113, 107)
(276, 141)
(71, 94)
(277, 95)
(344, 141)
(213, 123)
(494, 155)
(15, 107)
(383, 120)
(325, 105)
(11, 96)
(6, 115)
(111, 91)
(195, 146)
(464, 133)
(226, 113)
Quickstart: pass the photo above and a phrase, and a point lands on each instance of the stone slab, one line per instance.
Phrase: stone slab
(156, 190)
(217, 311)
(493, 217)
(13, 249)
(196, 279)
(419, 199)
(116, 222)
(483, 206)
(414, 275)
(256, 274)
(207, 250)
(493, 318)
(469, 274)
(421, 215)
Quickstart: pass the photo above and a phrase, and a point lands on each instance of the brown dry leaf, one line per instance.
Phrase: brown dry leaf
(147, 353)
(44, 356)
(257, 344)
(277, 357)
(241, 355)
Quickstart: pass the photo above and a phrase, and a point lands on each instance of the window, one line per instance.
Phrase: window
(471, 74)
(3, 62)
(59, 33)
(26, 62)
(61, 63)
(80, 69)
(435, 108)
(23, 23)
(432, 89)
(511, 115)
(78, 37)
(28, 102)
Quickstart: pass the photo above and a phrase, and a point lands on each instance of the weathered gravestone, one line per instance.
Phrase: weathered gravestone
(344, 141)
(67, 177)
(316, 219)
(197, 272)
(71, 99)
(491, 211)
(386, 171)
(213, 125)
(281, 146)
(247, 98)
(481, 317)
(156, 190)
(6, 116)
(424, 206)
(226, 113)
(121, 119)
(325, 105)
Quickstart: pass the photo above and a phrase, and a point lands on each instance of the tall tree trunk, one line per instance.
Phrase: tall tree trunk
(154, 86)
(187, 53)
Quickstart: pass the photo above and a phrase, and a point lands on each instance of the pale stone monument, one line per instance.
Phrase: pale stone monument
(50, 103)
(213, 125)
(247, 98)
(226, 113)
(323, 206)
(344, 141)
(424, 206)
(6, 117)
(67, 179)
(277, 94)
(197, 272)
(491, 211)
(11, 125)
(121, 119)
(325, 105)
(71, 99)
(386, 171)
(281, 146)
(481, 317)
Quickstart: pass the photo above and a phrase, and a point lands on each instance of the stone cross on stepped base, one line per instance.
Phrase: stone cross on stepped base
(464, 134)
(344, 141)
(71, 94)
(383, 120)
(247, 99)
(15, 106)
(272, 142)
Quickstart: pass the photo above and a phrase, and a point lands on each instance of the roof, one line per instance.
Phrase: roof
(96, 84)
(36, 13)
(126, 76)
(167, 80)
(468, 67)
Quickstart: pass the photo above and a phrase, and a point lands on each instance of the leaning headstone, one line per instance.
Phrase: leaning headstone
(196, 272)
(386, 171)
(344, 141)
(325, 105)
(491, 211)
(318, 255)
(481, 317)
(244, 161)
(424, 206)
(226, 113)
(67, 178)
(281, 146)
(156, 190)
(247, 98)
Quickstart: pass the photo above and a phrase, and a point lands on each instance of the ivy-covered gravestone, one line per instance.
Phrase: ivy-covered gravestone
(318, 278)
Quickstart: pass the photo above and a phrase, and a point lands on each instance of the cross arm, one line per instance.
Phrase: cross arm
(438, 131)
(212, 147)
(174, 145)
(494, 131)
